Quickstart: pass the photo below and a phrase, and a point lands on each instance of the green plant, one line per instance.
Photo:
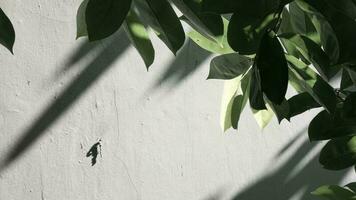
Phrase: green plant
(262, 46)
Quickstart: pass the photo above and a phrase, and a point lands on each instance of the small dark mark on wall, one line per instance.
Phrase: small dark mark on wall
(94, 151)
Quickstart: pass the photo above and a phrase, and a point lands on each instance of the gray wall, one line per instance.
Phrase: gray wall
(159, 130)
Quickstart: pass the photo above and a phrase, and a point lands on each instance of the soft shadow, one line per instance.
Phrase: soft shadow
(118, 44)
(188, 60)
(294, 179)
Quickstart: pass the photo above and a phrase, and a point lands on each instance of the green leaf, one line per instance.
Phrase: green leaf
(104, 17)
(341, 123)
(301, 23)
(313, 53)
(7, 32)
(339, 153)
(210, 45)
(139, 37)
(169, 28)
(256, 96)
(229, 92)
(240, 100)
(282, 111)
(346, 80)
(245, 7)
(245, 32)
(300, 103)
(351, 186)
(228, 66)
(208, 24)
(273, 69)
(312, 83)
(333, 192)
(81, 24)
(342, 22)
(349, 107)
(328, 39)
(262, 117)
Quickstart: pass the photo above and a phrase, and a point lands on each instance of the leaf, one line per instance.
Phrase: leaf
(7, 32)
(245, 7)
(263, 117)
(104, 17)
(169, 29)
(81, 24)
(301, 23)
(139, 37)
(273, 69)
(327, 126)
(245, 32)
(313, 53)
(256, 96)
(228, 66)
(342, 22)
(240, 100)
(333, 192)
(351, 186)
(328, 39)
(339, 153)
(349, 107)
(210, 45)
(282, 111)
(346, 80)
(300, 103)
(230, 88)
(312, 83)
(208, 24)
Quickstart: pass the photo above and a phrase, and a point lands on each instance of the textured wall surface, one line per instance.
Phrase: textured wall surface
(159, 130)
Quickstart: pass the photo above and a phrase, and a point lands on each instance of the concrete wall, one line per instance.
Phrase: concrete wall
(159, 130)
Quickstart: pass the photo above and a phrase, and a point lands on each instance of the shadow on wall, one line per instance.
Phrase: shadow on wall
(114, 47)
(294, 180)
(189, 59)
(70, 94)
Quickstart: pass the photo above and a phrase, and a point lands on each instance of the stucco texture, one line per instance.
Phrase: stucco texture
(159, 130)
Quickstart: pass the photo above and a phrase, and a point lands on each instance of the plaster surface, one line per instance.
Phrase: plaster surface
(159, 130)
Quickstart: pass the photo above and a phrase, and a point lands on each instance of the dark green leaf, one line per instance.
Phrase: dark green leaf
(256, 95)
(228, 66)
(169, 28)
(339, 153)
(351, 186)
(208, 24)
(313, 53)
(7, 32)
(333, 192)
(139, 38)
(327, 126)
(258, 8)
(273, 69)
(300, 103)
(312, 83)
(245, 32)
(104, 17)
(342, 20)
(282, 111)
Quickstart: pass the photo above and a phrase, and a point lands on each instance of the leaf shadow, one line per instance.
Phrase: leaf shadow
(295, 177)
(118, 43)
(187, 61)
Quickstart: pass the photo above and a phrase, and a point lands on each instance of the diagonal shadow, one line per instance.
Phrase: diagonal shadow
(188, 60)
(291, 179)
(283, 184)
(118, 44)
